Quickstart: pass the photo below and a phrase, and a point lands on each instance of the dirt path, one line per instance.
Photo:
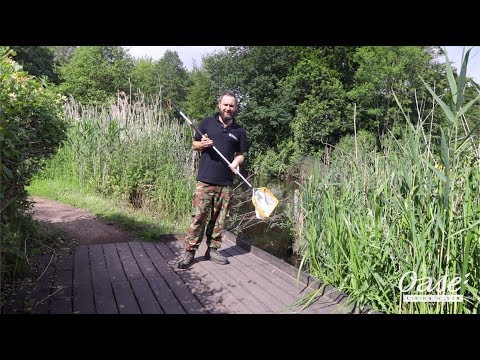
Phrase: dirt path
(77, 227)
(78, 224)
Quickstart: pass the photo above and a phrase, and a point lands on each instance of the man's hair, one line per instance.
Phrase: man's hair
(228, 93)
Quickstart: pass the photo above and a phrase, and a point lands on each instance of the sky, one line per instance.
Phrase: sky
(189, 54)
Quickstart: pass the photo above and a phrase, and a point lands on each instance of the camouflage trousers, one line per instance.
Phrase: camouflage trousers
(211, 201)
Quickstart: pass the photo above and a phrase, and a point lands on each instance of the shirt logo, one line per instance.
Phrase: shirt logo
(233, 136)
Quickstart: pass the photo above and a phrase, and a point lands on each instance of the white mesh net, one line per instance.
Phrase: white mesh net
(264, 201)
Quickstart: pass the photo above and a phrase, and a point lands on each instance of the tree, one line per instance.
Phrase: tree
(144, 79)
(386, 69)
(38, 61)
(63, 54)
(172, 77)
(201, 100)
(95, 74)
(321, 112)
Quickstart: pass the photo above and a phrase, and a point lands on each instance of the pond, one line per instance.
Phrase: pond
(274, 235)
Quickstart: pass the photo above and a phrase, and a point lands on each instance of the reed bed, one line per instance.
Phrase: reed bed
(402, 221)
(129, 150)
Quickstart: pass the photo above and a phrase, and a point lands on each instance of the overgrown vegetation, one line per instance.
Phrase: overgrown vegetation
(130, 151)
(371, 217)
(31, 128)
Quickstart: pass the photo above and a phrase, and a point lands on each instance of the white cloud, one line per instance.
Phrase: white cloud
(188, 54)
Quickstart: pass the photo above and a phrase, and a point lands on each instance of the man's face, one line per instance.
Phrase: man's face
(228, 107)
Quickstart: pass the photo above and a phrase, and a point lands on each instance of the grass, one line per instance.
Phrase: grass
(141, 222)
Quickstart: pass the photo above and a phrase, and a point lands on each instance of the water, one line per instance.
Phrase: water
(274, 236)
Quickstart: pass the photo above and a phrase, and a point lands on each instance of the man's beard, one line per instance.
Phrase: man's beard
(226, 117)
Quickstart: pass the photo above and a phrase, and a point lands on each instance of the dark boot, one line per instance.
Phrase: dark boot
(186, 259)
(215, 256)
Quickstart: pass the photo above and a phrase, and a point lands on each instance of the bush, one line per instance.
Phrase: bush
(31, 129)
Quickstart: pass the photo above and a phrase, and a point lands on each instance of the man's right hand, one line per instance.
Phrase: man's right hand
(206, 141)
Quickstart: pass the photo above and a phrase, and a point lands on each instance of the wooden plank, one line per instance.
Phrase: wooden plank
(275, 276)
(274, 284)
(201, 285)
(234, 280)
(271, 294)
(128, 262)
(145, 297)
(83, 302)
(169, 254)
(182, 293)
(143, 261)
(126, 301)
(62, 300)
(102, 288)
(114, 265)
(230, 301)
(286, 271)
(165, 296)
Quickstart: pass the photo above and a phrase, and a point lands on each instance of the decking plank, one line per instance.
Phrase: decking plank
(145, 297)
(83, 301)
(125, 298)
(182, 293)
(202, 285)
(271, 294)
(289, 283)
(114, 265)
(129, 264)
(271, 281)
(254, 297)
(232, 300)
(102, 287)
(165, 296)
(143, 261)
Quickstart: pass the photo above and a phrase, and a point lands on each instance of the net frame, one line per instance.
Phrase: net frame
(264, 201)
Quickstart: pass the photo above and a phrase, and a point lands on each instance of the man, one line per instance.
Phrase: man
(213, 189)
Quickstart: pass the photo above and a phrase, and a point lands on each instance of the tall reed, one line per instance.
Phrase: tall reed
(131, 151)
(413, 209)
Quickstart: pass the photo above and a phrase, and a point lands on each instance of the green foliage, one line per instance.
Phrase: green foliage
(145, 79)
(164, 79)
(173, 77)
(383, 70)
(132, 152)
(321, 113)
(360, 146)
(63, 53)
(95, 74)
(276, 163)
(368, 220)
(201, 100)
(37, 61)
(31, 129)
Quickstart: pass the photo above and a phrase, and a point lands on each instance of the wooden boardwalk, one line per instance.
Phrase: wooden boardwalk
(143, 278)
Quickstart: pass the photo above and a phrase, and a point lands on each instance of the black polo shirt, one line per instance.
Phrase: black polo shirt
(229, 140)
